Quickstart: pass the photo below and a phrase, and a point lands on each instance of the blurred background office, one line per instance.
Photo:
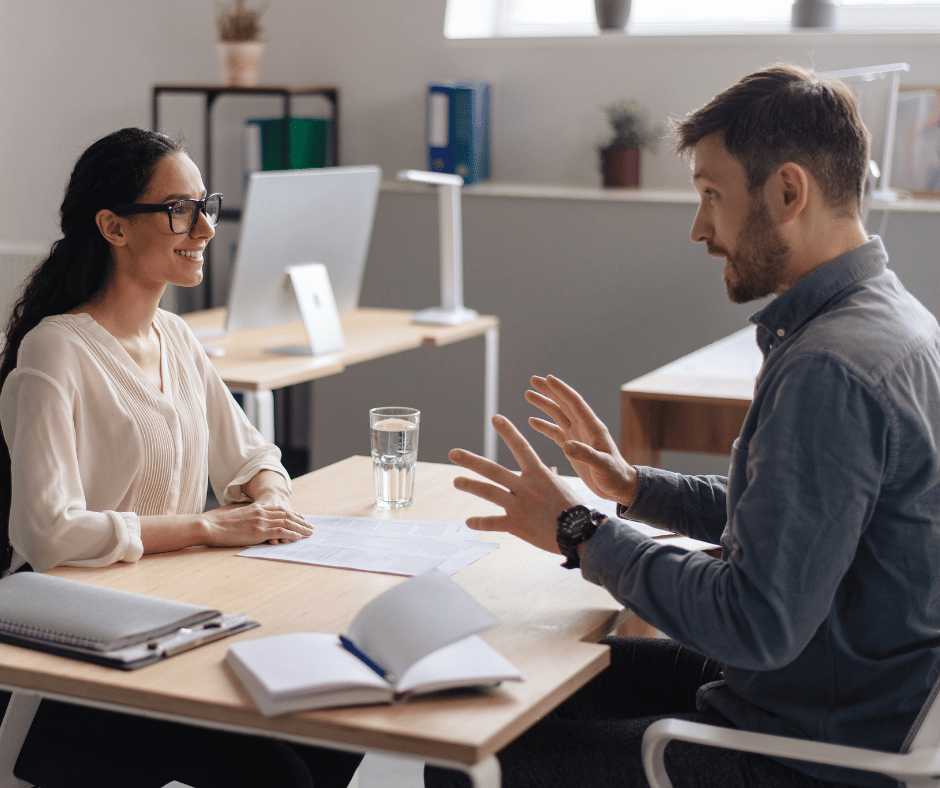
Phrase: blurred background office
(596, 286)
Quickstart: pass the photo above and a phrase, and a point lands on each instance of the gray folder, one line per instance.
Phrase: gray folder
(104, 625)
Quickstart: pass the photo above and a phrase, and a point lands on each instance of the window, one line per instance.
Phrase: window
(532, 18)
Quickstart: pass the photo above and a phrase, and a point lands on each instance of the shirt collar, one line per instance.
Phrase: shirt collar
(800, 302)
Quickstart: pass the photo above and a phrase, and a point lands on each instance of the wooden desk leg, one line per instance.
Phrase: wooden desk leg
(13, 730)
(636, 627)
(490, 393)
(641, 427)
(259, 408)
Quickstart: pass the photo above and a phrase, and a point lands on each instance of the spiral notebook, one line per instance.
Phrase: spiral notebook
(117, 628)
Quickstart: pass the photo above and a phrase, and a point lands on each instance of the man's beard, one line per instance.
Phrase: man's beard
(759, 260)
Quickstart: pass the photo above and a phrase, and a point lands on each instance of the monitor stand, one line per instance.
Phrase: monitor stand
(311, 286)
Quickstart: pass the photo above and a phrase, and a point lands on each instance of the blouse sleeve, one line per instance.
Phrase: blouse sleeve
(237, 451)
(49, 522)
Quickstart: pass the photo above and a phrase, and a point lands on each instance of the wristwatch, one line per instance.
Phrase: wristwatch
(576, 525)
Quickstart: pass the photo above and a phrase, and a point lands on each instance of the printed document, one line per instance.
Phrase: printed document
(396, 547)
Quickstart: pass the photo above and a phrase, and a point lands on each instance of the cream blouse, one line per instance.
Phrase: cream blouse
(95, 445)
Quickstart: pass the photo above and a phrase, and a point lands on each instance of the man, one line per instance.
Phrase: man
(822, 618)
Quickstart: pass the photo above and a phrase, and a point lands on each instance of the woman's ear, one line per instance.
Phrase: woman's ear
(111, 226)
(787, 192)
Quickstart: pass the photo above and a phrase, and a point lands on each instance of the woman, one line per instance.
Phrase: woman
(112, 417)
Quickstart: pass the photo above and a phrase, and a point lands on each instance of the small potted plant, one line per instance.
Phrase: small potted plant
(612, 15)
(240, 44)
(633, 132)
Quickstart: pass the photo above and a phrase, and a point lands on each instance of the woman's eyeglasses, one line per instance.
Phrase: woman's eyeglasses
(183, 213)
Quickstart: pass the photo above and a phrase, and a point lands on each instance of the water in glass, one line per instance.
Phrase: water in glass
(394, 452)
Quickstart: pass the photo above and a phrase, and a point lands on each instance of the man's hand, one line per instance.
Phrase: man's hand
(583, 438)
(533, 499)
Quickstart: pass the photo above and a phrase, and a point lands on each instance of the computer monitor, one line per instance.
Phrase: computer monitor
(295, 217)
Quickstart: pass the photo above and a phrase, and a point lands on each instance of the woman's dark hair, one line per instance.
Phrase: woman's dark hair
(115, 169)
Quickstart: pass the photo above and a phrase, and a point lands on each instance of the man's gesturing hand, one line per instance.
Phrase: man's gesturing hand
(532, 499)
(583, 438)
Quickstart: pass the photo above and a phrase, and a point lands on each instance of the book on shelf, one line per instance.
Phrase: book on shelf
(458, 129)
(418, 637)
(285, 144)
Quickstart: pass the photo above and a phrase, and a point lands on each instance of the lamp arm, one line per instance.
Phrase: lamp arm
(451, 310)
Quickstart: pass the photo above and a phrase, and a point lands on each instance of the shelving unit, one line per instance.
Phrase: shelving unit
(211, 94)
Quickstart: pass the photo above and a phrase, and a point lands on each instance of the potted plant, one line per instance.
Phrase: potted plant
(814, 13)
(240, 45)
(612, 15)
(633, 132)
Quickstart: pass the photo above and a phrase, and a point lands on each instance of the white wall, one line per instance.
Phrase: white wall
(70, 72)
(599, 292)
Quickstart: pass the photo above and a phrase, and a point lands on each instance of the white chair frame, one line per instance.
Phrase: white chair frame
(917, 765)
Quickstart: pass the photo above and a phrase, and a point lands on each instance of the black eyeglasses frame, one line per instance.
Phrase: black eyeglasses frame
(130, 208)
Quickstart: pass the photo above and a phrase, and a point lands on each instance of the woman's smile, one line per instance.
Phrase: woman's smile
(194, 254)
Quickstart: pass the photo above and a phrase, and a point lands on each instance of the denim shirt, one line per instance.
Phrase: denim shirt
(825, 606)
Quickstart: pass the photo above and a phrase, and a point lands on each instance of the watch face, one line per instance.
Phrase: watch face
(573, 524)
(576, 525)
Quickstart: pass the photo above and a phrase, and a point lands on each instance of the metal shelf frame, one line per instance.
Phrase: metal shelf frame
(211, 94)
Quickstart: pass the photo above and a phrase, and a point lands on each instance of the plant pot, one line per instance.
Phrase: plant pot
(620, 167)
(814, 13)
(240, 62)
(612, 14)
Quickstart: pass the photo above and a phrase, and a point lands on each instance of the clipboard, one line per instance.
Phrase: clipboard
(107, 626)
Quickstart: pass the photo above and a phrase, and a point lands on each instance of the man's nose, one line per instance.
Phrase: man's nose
(701, 228)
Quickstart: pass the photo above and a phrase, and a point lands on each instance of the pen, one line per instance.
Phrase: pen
(351, 648)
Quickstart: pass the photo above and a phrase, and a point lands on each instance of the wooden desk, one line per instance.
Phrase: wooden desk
(248, 368)
(697, 403)
(550, 622)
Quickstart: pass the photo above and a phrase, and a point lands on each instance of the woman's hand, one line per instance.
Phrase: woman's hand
(243, 524)
(271, 492)
(232, 525)
(583, 438)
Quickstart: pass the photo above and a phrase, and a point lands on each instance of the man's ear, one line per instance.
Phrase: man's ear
(112, 227)
(788, 191)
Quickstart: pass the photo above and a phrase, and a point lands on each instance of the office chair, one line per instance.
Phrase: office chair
(917, 765)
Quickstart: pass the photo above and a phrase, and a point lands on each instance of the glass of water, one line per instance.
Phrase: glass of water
(394, 452)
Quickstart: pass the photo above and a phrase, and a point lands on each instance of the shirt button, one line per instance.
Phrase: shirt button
(780, 332)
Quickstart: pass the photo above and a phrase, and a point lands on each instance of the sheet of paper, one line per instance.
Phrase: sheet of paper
(609, 507)
(396, 547)
(400, 527)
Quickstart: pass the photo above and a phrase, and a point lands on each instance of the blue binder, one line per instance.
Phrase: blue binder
(458, 129)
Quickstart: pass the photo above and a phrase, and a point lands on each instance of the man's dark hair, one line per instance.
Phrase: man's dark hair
(786, 113)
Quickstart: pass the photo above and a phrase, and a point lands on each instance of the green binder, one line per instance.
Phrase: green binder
(307, 139)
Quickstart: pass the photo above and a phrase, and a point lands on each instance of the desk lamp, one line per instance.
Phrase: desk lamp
(451, 311)
(884, 190)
